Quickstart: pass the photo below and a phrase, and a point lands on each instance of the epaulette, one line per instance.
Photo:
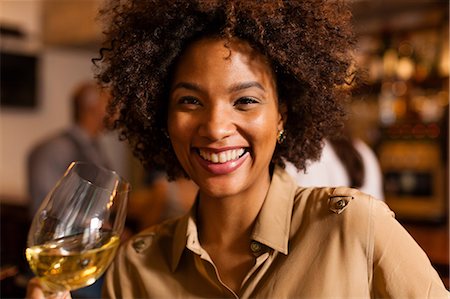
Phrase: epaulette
(339, 198)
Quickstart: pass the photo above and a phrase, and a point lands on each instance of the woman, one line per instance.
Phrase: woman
(223, 92)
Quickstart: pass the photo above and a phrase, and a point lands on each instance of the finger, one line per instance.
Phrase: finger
(59, 295)
(34, 289)
(66, 295)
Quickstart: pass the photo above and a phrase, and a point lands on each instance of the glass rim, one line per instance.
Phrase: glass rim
(125, 185)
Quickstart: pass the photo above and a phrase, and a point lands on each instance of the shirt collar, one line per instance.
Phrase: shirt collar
(272, 225)
(180, 239)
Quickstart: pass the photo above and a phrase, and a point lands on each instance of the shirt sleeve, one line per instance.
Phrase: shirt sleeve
(401, 267)
(113, 283)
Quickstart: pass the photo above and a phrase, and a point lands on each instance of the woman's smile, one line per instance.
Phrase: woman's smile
(222, 161)
(221, 156)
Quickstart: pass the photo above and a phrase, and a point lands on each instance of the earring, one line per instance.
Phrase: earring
(281, 136)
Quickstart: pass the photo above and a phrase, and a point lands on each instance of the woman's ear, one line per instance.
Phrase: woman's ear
(282, 110)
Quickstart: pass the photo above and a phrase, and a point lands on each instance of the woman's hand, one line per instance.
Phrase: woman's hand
(36, 291)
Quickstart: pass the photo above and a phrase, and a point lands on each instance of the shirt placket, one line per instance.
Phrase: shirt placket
(206, 266)
(264, 258)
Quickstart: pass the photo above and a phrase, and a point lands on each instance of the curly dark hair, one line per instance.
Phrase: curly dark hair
(306, 41)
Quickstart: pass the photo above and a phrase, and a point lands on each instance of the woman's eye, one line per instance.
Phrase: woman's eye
(188, 100)
(245, 102)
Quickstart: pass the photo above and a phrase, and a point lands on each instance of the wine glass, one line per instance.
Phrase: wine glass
(76, 231)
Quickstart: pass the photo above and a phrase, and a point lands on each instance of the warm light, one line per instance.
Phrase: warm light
(444, 59)
(405, 68)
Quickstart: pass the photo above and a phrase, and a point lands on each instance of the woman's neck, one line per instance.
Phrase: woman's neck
(225, 226)
(230, 220)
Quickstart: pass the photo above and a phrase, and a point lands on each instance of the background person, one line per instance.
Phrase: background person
(49, 159)
(345, 161)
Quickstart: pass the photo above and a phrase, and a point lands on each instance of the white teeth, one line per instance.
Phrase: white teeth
(222, 157)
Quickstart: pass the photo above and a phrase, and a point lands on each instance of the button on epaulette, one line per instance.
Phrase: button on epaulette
(140, 244)
(337, 203)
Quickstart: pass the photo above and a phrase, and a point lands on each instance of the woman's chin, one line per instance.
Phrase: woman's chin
(220, 188)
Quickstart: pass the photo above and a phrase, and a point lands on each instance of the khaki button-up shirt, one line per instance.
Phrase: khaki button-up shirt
(307, 243)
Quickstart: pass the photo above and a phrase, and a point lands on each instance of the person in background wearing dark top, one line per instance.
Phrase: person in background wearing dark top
(223, 92)
(49, 159)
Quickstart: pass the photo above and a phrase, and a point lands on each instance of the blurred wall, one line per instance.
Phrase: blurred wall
(23, 13)
(59, 70)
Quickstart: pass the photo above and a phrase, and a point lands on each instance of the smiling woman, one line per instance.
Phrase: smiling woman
(304, 45)
(223, 93)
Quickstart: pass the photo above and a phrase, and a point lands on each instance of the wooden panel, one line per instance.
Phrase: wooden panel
(434, 240)
(71, 23)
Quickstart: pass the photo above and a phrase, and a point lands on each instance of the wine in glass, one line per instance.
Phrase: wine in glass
(76, 231)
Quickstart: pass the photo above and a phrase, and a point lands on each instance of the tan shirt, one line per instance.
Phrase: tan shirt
(307, 243)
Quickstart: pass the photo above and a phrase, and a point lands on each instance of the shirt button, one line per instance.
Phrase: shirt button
(340, 204)
(255, 247)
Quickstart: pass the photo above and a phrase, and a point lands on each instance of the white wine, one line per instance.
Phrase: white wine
(68, 264)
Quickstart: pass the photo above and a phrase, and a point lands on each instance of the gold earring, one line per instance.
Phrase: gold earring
(281, 136)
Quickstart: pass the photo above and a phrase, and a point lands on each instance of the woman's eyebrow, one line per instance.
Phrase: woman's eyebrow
(232, 88)
(186, 85)
(245, 85)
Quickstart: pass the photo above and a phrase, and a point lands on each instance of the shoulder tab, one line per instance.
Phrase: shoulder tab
(339, 198)
(144, 239)
(142, 242)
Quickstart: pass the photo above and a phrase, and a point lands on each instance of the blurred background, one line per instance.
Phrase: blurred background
(400, 108)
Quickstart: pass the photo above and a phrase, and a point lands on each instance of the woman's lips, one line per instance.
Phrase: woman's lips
(222, 162)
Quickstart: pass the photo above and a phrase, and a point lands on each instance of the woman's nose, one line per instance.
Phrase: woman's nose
(217, 124)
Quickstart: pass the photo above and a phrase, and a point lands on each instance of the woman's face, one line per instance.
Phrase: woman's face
(223, 116)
